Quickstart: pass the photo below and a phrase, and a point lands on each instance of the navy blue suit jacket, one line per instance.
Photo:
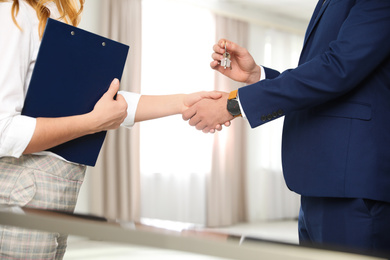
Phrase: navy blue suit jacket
(336, 136)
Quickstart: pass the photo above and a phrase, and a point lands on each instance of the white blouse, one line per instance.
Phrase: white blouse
(18, 53)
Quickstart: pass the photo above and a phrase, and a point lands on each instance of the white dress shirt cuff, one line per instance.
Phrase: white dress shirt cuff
(17, 135)
(239, 103)
(262, 76)
(132, 100)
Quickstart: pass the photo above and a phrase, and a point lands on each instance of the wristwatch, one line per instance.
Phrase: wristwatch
(233, 107)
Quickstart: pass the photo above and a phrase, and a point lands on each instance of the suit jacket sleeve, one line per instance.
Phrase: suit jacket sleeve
(353, 44)
(270, 73)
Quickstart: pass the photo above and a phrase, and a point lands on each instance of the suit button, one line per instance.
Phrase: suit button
(280, 112)
(263, 118)
(274, 114)
(269, 117)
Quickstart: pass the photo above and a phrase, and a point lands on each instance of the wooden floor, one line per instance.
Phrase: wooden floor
(80, 248)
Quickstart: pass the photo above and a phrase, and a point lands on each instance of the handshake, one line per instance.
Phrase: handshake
(208, 111)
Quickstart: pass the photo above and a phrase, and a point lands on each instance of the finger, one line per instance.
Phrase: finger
(218, 50)
(227, 124)
(232, 47)
(218, 127)
(219, 47)
(189, 113)
(222, 70)
(195, 121)
(120, 98)
(215, 94)
(200, 125)
(206, 130)
(216, 56)
(214, 64)
(221, 44)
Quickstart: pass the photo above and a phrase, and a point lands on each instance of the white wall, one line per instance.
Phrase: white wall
(90, 22)
(91, 16)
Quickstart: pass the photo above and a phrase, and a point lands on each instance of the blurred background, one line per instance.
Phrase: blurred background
(165, 169)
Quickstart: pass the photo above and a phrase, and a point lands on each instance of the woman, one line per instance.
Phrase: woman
(30, 176)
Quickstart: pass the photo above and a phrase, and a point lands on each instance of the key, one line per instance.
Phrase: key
(225, 62)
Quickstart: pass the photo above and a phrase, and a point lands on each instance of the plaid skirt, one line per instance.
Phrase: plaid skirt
(42, 182)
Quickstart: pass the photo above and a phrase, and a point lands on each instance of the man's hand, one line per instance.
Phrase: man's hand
(243, 66)
(206, 114)
(191, 99)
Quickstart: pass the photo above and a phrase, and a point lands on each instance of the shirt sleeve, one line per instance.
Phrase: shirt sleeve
(15, 61)
(262, 76)
(132, 100)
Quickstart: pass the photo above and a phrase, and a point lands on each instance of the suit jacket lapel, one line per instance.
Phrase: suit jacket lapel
(320, 8)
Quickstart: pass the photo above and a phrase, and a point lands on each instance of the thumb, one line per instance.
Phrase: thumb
(113, 89)
(211, 94)
(231, 47)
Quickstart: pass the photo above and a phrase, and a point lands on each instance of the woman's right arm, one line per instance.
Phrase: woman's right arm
(107, 114)
(20, 134)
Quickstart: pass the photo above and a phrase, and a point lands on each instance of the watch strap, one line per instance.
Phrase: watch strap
(233, 94)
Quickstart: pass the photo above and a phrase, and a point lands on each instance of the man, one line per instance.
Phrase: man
(336, 136)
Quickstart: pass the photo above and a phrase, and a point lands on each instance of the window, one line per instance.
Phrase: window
(177, 45)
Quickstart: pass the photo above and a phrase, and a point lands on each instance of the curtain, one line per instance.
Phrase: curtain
(115, 180)
(268, 197)
(246, 182)
(226, 202)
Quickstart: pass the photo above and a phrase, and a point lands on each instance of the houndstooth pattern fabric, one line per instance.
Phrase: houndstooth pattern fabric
(42, 182)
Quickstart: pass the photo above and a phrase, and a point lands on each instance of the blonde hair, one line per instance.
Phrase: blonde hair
(70, 11)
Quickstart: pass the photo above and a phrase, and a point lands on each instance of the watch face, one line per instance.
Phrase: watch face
(233, 107)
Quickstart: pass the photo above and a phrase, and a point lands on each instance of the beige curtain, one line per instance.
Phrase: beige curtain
(226, 202)
(115, 180)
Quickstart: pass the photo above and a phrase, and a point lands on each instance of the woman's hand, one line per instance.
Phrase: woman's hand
(109, 113)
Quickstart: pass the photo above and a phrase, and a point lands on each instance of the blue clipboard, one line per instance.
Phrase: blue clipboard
(74, 68)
